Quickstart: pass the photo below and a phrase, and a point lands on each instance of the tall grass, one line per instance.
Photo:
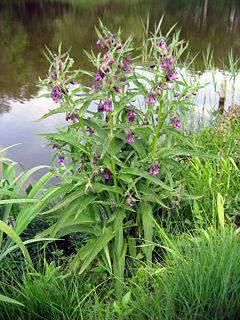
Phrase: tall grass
(200, 280)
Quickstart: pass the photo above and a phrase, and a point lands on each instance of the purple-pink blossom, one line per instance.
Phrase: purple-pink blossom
(60, 159)
(176, 123)
(162, 44)
(171, 75)
(56, 93)
(167, 63)
(150, 99)
(117, 89)
(130, 138)
(105, 105)
(131, 115)
(54, 74)
(107, 174)
(99, 76)
(154, 169)
(73, 117)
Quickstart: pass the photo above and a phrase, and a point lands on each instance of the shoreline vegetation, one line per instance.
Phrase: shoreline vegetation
(142, 221)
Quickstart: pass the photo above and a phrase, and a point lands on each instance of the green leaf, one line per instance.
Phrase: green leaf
(96, 246)
(68, 138)
(11, 201)
(220, 210)
(13, 235)
(147, 221)
(9, 300)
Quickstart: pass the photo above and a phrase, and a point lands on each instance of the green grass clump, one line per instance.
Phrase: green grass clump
(200, 280)
(50, 295)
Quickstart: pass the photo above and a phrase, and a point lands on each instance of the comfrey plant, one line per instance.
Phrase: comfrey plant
(118, 155)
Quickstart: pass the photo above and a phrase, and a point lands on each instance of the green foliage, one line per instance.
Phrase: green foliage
(117, 156)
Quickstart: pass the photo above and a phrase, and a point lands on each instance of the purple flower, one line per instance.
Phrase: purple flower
(54, 74)
(90, 130)
(105, 69)
(110, 61)
(107, 174)
(56, 93)
(100, 42)
(72, 82)
(103, 45)
(128, 59)
(106, 56)
(60, 159)
(99, 76)
(176, 123)
(162, 44)
(131, 115)
(117, 89)
(150, 99)
(167, 63)
(105, 105)
(171, 75)
(130, 138)
(73, 117)
(127, 68)
(154, 170)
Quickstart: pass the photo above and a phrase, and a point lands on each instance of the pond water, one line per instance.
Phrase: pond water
(26, 26)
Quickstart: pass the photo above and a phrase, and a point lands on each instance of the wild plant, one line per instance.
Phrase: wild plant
(119, 152)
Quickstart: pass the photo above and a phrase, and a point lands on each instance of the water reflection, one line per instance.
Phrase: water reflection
(26, 26)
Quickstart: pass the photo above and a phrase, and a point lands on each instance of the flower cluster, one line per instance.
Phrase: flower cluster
(56, 93)
(72, 117)
(131, 114)
(130, 138)
(176, 123)
(112, 68)
(105, 105)
(154, 169)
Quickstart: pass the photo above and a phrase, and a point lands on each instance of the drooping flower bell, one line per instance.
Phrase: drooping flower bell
(176, 123)
(107, 174)
(171, 75)
(90, 130)
(99, 76)
(130, 138)
(162, 44)
(73, 117)
(168, 63)
(54, 74)
(60, 159)
(131, 115)
(105, 105)
(152, 97)
(154, 169)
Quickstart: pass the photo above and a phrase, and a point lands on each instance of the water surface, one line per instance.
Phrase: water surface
(26, 26)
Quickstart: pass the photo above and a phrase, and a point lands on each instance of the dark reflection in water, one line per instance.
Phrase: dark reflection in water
(26, 26)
